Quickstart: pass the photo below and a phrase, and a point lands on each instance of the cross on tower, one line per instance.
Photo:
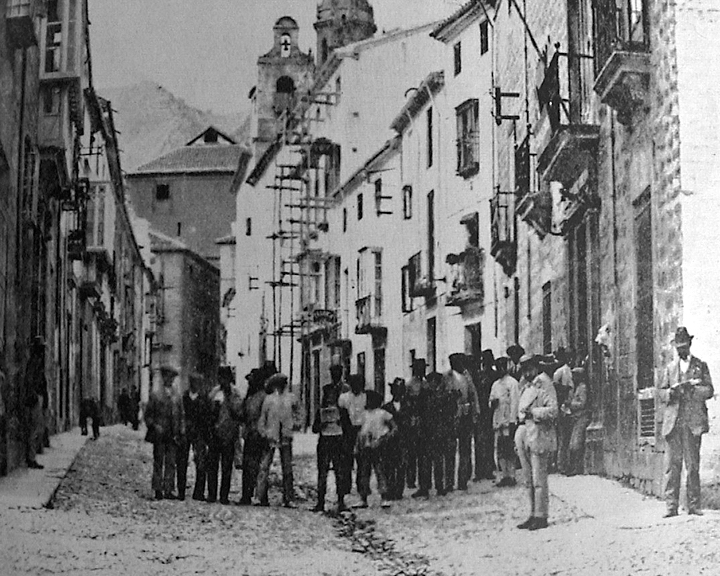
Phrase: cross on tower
(285, 45)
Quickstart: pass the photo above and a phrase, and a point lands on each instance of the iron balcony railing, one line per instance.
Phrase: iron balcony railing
(620, 25)
(566, 90)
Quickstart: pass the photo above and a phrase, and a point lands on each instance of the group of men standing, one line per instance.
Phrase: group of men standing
(207, 420)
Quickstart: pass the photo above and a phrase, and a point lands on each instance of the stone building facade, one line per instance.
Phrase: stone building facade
(61, 206)
(591, 204)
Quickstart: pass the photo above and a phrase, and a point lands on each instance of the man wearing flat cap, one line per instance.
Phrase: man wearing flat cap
(685, 419)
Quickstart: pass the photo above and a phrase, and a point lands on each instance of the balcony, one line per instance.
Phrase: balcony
(91, 280)
(533, 207)
(503, 246)
(467, 273)
(369, 316)
(571, 137)
(20, 25)
(422, 285)
(622, 65)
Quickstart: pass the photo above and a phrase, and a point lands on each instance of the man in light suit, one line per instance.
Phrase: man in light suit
(536, 438)
(685, 420)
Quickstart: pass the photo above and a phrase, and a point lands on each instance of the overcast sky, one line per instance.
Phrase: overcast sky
(205, 51)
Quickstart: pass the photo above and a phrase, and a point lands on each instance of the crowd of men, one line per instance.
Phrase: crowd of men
(478, 421)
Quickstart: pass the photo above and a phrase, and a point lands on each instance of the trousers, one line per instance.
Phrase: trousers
(331, 452)
(200, 450)
(372, 459)
(462, 447)
(535, 474)
(164, 459)
(395, 469)
(252, 454)
(682, 446)
(220, 456)
(285, 448)
(483, 439)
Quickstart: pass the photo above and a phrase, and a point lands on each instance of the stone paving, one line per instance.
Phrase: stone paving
(104, 521)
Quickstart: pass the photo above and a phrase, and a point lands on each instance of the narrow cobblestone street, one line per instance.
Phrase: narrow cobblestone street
(103, 521)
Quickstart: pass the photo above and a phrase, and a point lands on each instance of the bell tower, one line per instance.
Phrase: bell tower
(342, 22)
(284, 74)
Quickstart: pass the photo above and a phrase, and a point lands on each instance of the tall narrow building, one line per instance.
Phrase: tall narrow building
(342, 22)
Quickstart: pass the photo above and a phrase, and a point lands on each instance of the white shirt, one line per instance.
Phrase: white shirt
(685, 364)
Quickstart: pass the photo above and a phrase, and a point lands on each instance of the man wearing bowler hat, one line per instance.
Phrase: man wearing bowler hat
(683, 393)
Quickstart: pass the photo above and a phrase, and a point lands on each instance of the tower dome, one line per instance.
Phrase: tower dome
(342, 22)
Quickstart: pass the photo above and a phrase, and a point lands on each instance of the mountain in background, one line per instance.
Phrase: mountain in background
(152, 122)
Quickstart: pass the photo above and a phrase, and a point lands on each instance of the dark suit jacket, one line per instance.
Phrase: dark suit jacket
(689, 406)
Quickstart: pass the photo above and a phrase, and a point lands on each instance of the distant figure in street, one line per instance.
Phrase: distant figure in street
(536, 439)
(563, 382)
(467, 412)
(276, 427)
(89, 409)
(124, 406)
(396, 446)
(134, 407)
(254, 441)
(198, 435)
(336, 379)
(483, 437)
(330, 448)
(36, 402)
(352, 412)
(578, 407)
(416, 446)
(165, 420)
(515, 352)
(686, 388)
(227, 412)
(440, 422)
(376, 432)
(504, 398)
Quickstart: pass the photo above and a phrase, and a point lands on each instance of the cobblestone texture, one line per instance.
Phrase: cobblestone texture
(105, 522)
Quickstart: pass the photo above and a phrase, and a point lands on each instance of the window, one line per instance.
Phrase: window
(336, 283)
(51, 100)
(285, 85)
(430, 152)
(547, 318)
(361, 364)
(162, 192)
(179, 231)
(378, 196)
(431, 235)
(378, 283)
(484, 37)
(324, 50)
(338, 89)
(431, 335)
(345, 219)
(379, 370)
(248, 226)
(53, 14)
(407, 202)
(457, 52)
(467, 138)
(360, 207)
(285, 46)
(406, 283)
(644, 304)
(53, 46)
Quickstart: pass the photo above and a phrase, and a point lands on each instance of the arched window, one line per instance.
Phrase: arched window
(324, 49)
(285, 85)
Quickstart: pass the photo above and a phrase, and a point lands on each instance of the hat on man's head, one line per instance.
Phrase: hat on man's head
(681, 337)
(418, 362)
(168, 370)
(528, 360)
(225, 373)
(515, 350)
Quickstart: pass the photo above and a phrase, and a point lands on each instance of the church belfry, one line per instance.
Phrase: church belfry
(284, 74)
(342, 22)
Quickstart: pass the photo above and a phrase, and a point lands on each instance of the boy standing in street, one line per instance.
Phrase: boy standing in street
(377, 430)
